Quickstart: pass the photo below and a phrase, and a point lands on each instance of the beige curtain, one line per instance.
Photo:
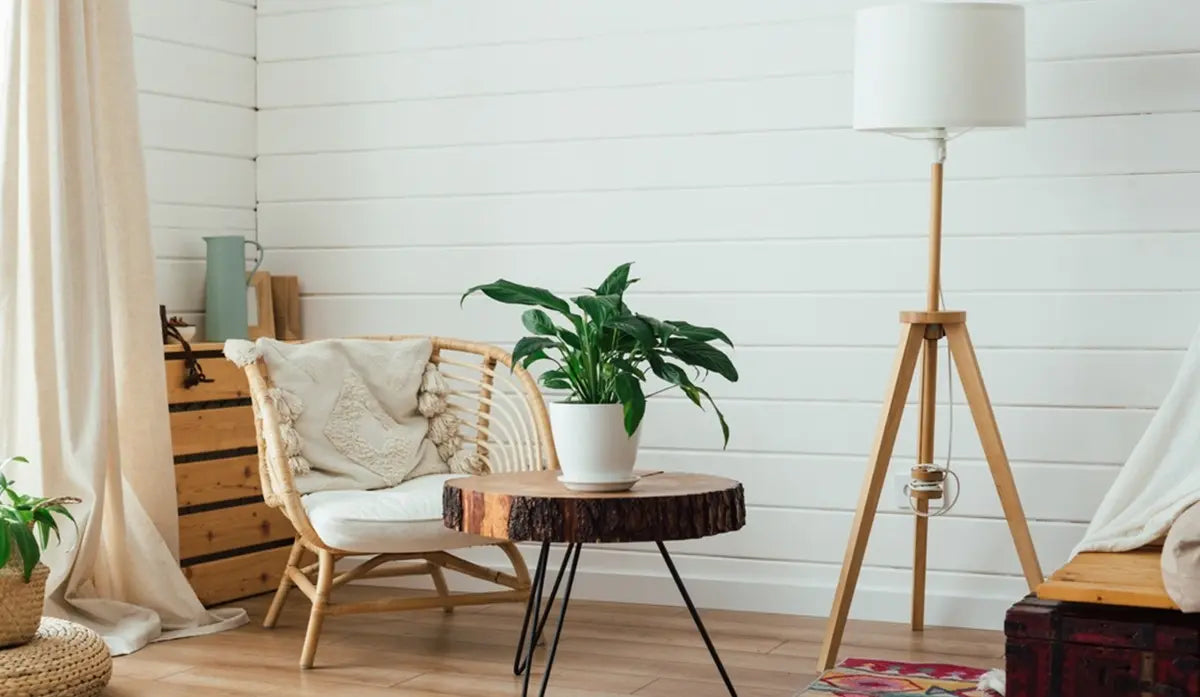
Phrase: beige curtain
(82, 392)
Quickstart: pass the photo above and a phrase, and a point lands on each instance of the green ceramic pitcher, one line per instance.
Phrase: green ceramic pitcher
(225, 284)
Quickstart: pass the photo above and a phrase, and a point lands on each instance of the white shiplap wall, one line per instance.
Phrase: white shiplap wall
(410, 149)
(195, 70)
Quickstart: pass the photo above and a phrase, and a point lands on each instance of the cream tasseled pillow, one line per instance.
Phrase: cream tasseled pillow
(348, 409)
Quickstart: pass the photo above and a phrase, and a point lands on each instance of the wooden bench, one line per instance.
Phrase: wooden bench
(1132, 579)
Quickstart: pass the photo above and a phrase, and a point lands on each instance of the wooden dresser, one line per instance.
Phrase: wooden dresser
(231, 544)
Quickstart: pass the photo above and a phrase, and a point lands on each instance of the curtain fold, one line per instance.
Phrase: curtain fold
(82, 390)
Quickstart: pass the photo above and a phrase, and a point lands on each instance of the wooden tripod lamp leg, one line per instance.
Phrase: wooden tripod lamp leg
(881, 454)
(924, 455)
(993, 448)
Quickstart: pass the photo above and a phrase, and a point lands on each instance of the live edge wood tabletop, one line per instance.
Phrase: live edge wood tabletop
(536, 507)
(231, 544)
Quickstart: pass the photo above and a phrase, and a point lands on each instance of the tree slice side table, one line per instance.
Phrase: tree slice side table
(535, 507)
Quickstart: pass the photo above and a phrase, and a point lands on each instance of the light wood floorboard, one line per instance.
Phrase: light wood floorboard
(607, 649)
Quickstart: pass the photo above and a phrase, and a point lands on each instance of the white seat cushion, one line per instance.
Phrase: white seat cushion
(404, 518)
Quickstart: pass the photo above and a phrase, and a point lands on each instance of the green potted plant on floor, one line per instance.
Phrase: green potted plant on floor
(26, 523)
(603, 354)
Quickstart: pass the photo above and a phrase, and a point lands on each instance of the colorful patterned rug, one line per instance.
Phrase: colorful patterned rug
(859, 677)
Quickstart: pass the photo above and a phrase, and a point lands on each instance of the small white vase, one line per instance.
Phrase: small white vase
(592, 446)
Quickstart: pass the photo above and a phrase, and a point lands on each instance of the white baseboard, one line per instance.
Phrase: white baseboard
(623, 575)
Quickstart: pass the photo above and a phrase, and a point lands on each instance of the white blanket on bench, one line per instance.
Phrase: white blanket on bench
(1161, 478)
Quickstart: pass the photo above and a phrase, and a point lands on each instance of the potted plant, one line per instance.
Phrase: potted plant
(26, 523)
(603, 354)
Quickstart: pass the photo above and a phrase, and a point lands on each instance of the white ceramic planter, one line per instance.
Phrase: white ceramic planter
(593, 448)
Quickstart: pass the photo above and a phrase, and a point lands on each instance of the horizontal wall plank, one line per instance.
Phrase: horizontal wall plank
(200, 216)
(187, 243)
(1113, 27)
(824, 482)
(825, 533)
(212, 430)
(1057, 89)
(1162, 202)
(292, 29)
(796, 587)
(190, 178)
(1034, 320)
(180, 284)
(1032, 377)
(1088, 147)
(810, 47)
(186, 71)
(299, 29)
(186, 124)
(1036, 434)
(213, 24)
(213, 481)
(226, 529)
(1164, 261)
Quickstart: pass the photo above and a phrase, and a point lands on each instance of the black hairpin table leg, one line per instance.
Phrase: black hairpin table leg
(712, 650)
(536, 615)
(537, 584)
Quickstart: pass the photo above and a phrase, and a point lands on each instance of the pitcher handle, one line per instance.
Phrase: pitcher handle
(257, 263)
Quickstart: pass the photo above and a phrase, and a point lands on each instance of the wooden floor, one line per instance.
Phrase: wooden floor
(607, 649)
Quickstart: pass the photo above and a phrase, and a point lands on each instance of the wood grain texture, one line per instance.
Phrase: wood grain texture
(534, 506)
(609, 649)
(239, 577)
(227, 529)
(1111, 578)
(228, 381)
(211, 430)
(212, 481)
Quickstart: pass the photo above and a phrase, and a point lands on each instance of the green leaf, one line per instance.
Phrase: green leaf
(27, 547)
(517, 294)
(62, 511)
(720, 416)
(529, 345)
(538, 322)
(555, 383)
(600, 308)
(629, 390)
(701, 355)
(627, 367)
(569, 338)
(635, 327)
(697, 333)
(43, 532)
(663, 330)
(617, 281)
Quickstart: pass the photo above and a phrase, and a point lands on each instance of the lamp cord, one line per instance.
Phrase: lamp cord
(949, 445)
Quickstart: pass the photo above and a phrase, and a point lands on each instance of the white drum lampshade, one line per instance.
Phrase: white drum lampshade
(939, 65)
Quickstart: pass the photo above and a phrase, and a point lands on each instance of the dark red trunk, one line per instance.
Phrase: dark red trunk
(1057, 649)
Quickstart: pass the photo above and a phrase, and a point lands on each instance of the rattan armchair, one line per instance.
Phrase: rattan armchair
(504, 420)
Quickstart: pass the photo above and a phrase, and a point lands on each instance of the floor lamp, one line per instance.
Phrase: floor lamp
(931, 71)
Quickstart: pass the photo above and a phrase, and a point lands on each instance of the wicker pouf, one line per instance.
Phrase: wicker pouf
(64, 659)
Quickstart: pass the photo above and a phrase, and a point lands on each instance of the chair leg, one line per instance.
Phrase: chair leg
(285, 585)
(317, 617)
(520, 568)
(439, 582)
